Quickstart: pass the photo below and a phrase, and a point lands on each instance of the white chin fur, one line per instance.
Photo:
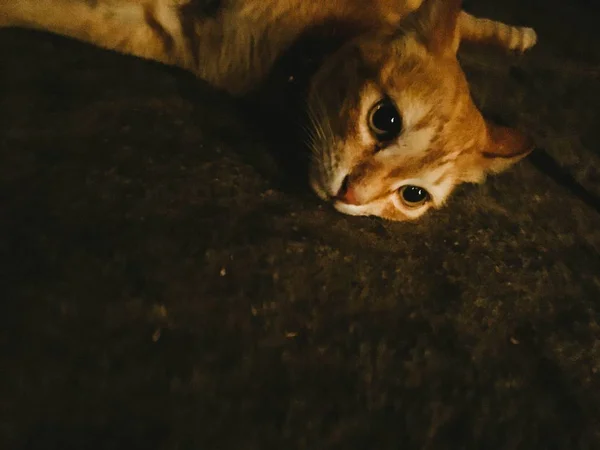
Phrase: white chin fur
(352, 210)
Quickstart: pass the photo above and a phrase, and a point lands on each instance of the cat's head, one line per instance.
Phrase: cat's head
(394, 129)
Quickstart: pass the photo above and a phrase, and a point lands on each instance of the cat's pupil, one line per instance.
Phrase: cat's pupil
(385, 121)
(414, 194)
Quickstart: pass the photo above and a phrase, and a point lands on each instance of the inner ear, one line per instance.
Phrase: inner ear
(437, 22)
(506, 142)
(504, 147)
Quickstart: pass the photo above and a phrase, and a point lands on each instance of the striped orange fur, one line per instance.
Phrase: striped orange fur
(393, 128)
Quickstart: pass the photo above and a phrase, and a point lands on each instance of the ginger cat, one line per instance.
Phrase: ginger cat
(393, 126)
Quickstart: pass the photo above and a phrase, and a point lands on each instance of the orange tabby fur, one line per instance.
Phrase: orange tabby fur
(402, 50)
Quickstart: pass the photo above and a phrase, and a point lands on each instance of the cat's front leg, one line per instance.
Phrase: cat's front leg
(148, 29)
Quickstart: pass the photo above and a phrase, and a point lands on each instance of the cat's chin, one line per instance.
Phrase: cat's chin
(352, 210)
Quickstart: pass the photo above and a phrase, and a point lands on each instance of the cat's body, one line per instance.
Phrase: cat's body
(393, 125)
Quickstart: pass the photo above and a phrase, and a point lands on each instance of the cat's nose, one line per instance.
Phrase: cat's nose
(346, 194)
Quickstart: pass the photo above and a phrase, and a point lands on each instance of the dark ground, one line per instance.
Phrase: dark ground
(165, 286)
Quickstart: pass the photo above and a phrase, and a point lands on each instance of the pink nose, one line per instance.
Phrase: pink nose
(346, 193)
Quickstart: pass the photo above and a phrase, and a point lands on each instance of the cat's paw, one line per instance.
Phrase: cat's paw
(412, 5)
(394, 11)
(523, 40)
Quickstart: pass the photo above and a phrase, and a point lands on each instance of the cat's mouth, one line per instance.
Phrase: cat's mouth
(340, 204)
(325, 185)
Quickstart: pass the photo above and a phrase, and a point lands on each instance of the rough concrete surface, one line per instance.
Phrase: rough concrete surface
(168, 282)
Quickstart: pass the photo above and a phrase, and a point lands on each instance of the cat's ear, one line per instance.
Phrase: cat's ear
(504, 147)
(436, 22)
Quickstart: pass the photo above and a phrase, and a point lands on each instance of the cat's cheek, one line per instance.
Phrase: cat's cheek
(318, 189)
(397, 211)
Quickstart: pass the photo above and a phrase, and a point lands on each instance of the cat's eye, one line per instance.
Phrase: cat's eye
(413, 196)
(384, 121)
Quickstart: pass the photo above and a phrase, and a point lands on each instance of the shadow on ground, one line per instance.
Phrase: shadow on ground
(165, 285)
